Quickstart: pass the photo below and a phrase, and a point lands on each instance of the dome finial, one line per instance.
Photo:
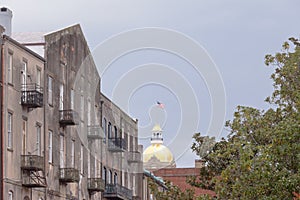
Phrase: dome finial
(157, 137)
(156, 128)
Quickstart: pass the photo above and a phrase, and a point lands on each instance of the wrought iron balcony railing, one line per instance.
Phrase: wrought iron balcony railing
(96, 185)
(68, 117)
(32, 162)
(32, 95)
(68, 175)
(117, 144)
(33, 179)
(95, 132)
(134, 156)
(115, 191)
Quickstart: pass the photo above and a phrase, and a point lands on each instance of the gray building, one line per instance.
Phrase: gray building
(62, 138)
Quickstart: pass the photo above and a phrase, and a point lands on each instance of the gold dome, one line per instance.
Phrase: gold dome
(160, 152)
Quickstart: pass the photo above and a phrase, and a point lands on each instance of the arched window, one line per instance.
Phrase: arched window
(10, 195)
(104, 129)
(109, 130)
(116, 132)
(115, 178)
(104, 175)
(110, 177)
(26, 198)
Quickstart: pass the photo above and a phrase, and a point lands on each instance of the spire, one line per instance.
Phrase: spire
(156, 137)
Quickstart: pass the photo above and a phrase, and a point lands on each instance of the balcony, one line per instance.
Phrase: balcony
(32, 96)
(68, 175)
(95, 132)
(117, 144)
(134, 157)
(96, 185)
(115, 191)
(68, 117)
(32, 162)
(33, 179)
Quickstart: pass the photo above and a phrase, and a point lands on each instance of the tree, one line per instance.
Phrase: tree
(260, 159)
(172, 192)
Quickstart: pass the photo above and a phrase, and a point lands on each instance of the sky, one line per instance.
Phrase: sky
(235, 35)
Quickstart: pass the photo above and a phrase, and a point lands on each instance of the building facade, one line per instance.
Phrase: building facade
(179, 176)
(22, 121)
(61, 137)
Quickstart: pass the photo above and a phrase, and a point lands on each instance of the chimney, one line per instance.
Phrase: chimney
(199, 163)
(5, 20)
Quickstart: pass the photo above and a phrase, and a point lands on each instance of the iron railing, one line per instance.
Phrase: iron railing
(68, 175)
(68, 117)
(116, 191)
(32, 95)
(96, 184)
(117, 144)
(95, 132)
(32, 162)
(33, 179)
(134, 156)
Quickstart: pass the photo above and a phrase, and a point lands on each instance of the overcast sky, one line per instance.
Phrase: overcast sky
(236, 35)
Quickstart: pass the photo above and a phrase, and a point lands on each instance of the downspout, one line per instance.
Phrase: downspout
(45, 134)
(2, 118)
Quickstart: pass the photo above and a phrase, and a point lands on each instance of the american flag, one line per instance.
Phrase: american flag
(161, 105)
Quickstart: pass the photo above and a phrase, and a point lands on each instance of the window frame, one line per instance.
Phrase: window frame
(104, 129)
(50, 90)
(10, 195)
(38, 138)
(10, 130)
(73, 153)
(50, 146)
(10, 68)
(81, 158)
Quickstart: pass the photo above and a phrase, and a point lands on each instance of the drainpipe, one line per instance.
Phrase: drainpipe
(2, 116)
(45, 130)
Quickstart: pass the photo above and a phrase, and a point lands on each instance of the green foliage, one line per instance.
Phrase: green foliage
(261, 157)
(171, 193)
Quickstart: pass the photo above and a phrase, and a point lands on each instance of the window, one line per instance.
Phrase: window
(61, 96)
(104, 129)
(10, 195)
(72, 98)
(95, 167)
(50, 146)
(123, 178)
(38, 77)
(82, 107)
(115, 178)
(10, 68)
(38, 140)
(9, 130)
(89, 165)
(61, 151)
(116, 132)
(134, 184)
(50, 89)
(24, 136)
(24, 74)
(104, 175)
(89, 112)
(109, 176)
(109, 130)
(72, 153)
(81, 159)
